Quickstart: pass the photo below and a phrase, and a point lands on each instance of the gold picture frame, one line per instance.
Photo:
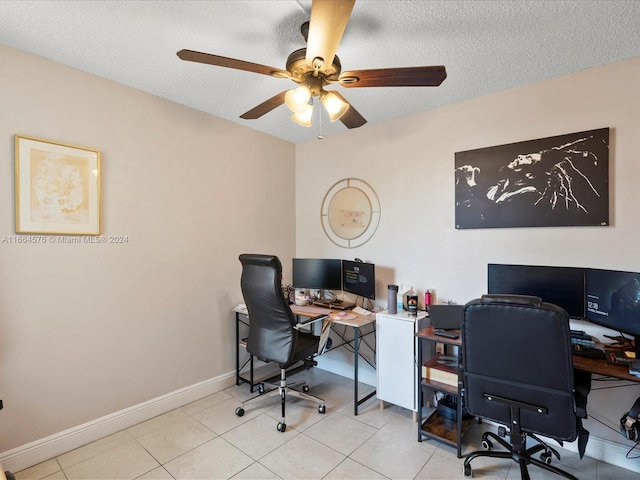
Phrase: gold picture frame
(57, 187)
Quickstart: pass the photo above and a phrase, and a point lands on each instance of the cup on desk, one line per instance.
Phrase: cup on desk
(302, 300)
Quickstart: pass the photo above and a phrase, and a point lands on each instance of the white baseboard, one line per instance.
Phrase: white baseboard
(38, 451)
(601, 449)
(607, 451)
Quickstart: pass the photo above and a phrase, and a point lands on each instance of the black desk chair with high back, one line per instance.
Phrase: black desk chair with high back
(273, 333)
(518, 371)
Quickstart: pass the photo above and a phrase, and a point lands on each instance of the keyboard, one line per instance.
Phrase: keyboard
(588, 352)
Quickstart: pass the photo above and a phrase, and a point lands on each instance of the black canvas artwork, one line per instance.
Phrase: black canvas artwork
(554, 181)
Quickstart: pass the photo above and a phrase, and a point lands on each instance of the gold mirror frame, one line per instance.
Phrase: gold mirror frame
(350, 213)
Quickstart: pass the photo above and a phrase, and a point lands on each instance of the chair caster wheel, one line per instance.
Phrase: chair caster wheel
(305, 388)
(486, 444)
(281, 427)
(467, 471)
(322, 409)
(545, 457)
(261, 389)
(239, 411)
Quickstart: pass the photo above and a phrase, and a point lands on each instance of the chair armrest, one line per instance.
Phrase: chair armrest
(307, 321)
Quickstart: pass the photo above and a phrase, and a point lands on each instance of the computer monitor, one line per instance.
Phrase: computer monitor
(613, 301)
(317, 273)
(359, 278)
(562, 286)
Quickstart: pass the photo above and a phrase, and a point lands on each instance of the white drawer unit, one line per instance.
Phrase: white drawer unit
(395, 358)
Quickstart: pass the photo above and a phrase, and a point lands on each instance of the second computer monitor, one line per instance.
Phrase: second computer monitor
(613, 300)
(563, 286)
(317, 273)
(359, 278)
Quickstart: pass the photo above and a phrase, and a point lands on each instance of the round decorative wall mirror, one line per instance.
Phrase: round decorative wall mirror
(350, 213)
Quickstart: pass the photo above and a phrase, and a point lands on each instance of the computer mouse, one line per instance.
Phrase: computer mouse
(342, 314)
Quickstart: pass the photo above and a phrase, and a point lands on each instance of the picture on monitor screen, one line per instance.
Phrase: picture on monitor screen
(359, 278)
(562, 286)
(317, 273)
(613, 299)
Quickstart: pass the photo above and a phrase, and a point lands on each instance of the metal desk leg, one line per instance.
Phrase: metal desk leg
(356, 339)
(420, 392)
(237, 348)
(356, 402)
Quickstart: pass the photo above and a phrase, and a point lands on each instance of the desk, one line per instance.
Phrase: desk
(451, 432)
(602, 367)
(312, 311)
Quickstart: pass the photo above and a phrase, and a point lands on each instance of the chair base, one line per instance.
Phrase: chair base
(284, 389)
(523, 458)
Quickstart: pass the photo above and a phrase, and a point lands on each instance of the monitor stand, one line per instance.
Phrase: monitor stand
(335, 305)
(328, 299)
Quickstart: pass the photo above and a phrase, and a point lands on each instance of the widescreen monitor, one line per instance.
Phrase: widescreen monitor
(562, 286)
(359, 278)
(613, 300)
(317, 273)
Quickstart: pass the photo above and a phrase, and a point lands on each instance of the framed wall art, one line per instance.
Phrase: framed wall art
(57, 187)
(553, 181)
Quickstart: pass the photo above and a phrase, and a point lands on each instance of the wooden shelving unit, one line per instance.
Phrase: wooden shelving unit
(436, 425)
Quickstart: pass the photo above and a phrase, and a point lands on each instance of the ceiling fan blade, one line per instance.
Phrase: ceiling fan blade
(395, 77)
(217, 60)
(328, 21)
(351, 118)
(264, 107)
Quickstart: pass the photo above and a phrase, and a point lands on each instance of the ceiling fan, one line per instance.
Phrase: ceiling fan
(317, 66)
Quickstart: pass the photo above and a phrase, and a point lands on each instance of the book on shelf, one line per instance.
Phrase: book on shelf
(441, 368)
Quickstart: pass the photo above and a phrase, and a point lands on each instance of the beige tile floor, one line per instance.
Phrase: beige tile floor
(206, 440)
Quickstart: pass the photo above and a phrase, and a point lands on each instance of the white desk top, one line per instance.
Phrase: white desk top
(314, 310)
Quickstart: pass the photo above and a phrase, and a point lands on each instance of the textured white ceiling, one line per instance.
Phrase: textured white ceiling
(486, 46)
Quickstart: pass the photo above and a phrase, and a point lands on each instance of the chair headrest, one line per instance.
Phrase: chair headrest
(259, 260)
(512, 299)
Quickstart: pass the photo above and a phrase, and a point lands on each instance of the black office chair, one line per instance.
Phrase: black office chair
(273, 333)
(518, 371)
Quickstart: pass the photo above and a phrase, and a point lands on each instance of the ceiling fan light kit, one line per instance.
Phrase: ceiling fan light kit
(317, 66)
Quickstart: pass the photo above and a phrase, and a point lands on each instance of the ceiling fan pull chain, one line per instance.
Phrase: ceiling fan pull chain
(320, 135)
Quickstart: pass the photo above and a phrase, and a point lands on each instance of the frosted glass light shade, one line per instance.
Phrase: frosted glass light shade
(297, 99)
(304, 118)
(335, 106)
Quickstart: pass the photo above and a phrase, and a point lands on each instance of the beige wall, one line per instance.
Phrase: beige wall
(88, 330)
(410, 164)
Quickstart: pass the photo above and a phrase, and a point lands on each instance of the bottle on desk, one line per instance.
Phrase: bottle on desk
(412, 303)
(392, 301)
(427, 299)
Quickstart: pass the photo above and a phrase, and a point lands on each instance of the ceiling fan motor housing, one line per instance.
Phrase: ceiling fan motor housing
(300, 70)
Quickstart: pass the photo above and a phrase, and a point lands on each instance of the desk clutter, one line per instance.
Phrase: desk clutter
(584, 345)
